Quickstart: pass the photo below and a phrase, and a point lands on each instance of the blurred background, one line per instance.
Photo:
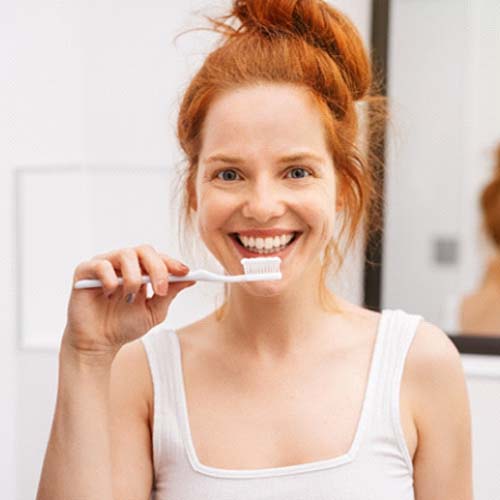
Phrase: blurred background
(444, 76)
(89, 94)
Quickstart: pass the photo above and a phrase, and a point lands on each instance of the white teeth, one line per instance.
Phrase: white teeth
(268, 243)
(265, 245)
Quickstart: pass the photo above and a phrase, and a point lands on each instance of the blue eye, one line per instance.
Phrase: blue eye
(233, 173)
(299, 169)
(225, 177)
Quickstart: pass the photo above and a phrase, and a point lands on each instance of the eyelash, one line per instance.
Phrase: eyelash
(216, 174)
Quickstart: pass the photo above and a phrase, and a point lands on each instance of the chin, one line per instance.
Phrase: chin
(264, 289)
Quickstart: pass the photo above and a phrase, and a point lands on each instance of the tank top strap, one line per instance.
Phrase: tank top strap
(160, 350)
(385, 434)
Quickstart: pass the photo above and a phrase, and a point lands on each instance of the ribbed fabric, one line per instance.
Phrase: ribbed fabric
(377, 466)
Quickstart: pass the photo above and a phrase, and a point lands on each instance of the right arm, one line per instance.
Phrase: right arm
(77, 463)
(99, 445)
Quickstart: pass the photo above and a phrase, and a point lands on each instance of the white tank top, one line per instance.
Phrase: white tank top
(376, 467)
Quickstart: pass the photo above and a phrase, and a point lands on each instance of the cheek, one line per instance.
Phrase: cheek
(318, 210)
(213, 213)
(326, 201)
(313, 208)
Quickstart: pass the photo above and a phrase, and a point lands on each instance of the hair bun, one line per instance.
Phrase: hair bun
(318, 24)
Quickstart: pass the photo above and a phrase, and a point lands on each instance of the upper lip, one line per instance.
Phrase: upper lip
(263, 233)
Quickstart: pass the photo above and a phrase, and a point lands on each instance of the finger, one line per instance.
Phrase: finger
(130, 269)
(174, 266)
(155, 267)
(98, 269)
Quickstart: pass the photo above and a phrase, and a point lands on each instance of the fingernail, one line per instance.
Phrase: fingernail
(130, 298)
(179, 264)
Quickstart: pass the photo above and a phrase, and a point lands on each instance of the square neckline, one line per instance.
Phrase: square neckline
(349, 456)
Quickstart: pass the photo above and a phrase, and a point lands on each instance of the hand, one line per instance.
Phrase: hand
(100, 320)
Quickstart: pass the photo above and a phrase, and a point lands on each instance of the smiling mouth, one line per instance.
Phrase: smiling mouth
(263, 251)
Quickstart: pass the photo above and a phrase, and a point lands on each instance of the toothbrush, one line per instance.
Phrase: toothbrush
(256, 269)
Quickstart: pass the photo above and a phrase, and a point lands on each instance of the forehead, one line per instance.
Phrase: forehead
(263, 117)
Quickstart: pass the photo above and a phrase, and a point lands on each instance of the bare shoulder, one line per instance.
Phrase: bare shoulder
(434, 374)
(440, 405)
(131, 376)
(130, 423)
(432, 354)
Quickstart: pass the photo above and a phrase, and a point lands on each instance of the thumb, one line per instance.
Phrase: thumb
(161, 303)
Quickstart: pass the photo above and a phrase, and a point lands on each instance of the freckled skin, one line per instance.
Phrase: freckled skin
(260, 124)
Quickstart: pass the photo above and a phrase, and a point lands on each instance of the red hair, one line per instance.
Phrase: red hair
(490, 203)
(305, 43)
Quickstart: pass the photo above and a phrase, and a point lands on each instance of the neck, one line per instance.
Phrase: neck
(275, 325)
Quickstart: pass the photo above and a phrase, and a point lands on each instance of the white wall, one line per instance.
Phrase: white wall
(92, 84)
(8, 354)
(443, 86)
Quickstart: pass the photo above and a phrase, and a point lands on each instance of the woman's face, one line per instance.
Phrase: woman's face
(265, 170)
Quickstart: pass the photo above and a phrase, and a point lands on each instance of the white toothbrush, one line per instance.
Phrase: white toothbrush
(256, 269)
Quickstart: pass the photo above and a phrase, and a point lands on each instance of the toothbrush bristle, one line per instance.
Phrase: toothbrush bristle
(261, 265)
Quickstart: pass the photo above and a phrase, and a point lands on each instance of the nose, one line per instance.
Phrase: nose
(263, 203)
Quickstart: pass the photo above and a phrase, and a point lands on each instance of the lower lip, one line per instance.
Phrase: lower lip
(248, 254)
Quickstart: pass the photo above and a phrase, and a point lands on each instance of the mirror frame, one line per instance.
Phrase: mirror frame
(372, 278)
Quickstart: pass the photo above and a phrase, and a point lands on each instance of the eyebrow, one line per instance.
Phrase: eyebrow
(284, 159)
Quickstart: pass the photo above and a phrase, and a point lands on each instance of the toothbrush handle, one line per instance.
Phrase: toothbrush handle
(198, 275)
(191, 276)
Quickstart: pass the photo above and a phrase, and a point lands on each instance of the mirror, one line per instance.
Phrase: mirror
(441, 255)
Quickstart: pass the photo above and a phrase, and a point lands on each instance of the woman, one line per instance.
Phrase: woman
(477, 312)
(288, 391)
(480, 312)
